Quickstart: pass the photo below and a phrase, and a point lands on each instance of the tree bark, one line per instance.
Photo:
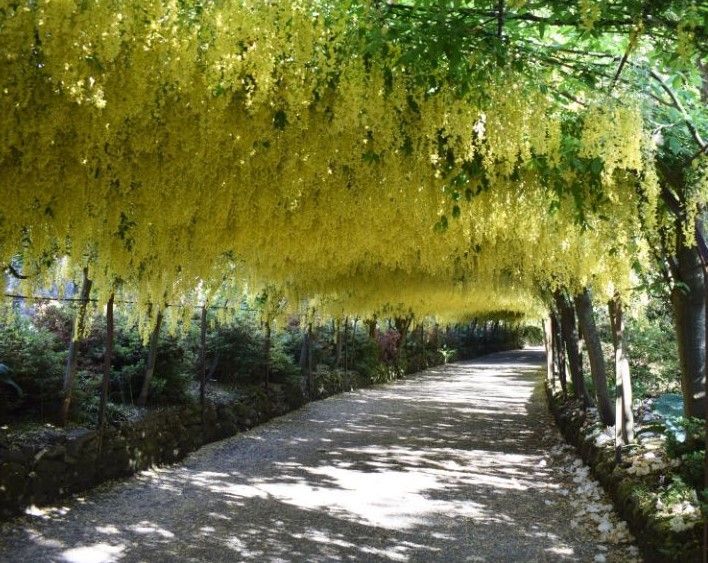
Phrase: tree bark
(338, 344)
(688, 302)
(371, 325)
(583, 306)
(548, 343)
(310, 372)
(569, 331)
(558, 354)
(346, 344)
(303, 353)
(267, 346)
(624, 417)
(202, 362)
(77, 335)
(152, 358)
(402, 325)
(107, 363)
(423, 359)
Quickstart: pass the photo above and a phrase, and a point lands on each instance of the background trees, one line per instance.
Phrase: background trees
(390, 159)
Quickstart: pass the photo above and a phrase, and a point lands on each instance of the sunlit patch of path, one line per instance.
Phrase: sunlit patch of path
(450, 465)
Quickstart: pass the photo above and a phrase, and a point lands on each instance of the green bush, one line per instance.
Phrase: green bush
(687, 437)
(652, 350)
(238, 350)
(692, 468)
(35, 361)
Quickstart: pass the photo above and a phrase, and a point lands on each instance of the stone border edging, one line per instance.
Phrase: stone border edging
(70, 461)
(655, 538)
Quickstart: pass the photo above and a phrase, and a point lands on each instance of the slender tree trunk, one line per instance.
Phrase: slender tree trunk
(689, 307)
(352, 355)
(583, 305)
(338, 344)
(569, 331)
(77, 335)
(304, 353)
(559, 354)
(624, 417)
(310, 372)
(402, 325)
(371, 325)
(107, 362)
(152, 358)
(421, 343)
(267, 344)
(346, 344)
(202, 362)
(548, 344)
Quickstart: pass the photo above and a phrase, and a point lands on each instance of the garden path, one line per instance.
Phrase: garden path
(459, 463)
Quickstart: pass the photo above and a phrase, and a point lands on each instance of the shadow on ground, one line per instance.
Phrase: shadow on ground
(445, 466)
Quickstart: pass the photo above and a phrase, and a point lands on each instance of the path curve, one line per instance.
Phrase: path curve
(449, 465)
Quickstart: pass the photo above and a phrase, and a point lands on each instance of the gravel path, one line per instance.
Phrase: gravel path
(457, 464)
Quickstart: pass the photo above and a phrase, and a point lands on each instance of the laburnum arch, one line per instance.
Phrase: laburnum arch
(164, 147)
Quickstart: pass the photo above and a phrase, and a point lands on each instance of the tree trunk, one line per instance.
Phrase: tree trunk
(346, 344)
(583, 305)
(304, 352)
(310, 372)
(423, 360)
(338, 344)
(107, 362)
(548, 344)
(569, 331)
(267, 345)
(371, 325)
(689, 307)
(152, 358)
(624, 417)
(77, 335)
(352, 352)
(402, 325)
(558, 354)
(202, 362)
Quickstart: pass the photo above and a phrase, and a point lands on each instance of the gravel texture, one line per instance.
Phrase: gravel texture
(459, 463)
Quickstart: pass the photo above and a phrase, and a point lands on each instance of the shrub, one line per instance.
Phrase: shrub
(35, 359)
(238, 351)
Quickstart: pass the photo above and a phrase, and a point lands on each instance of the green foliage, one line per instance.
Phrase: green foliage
(35, 359)
(174, 367)
(365, 355)
(329, 381)
(685, 440)
(690, 437)
(384, 374)
(652, 350)
(692, 468)
(237, 350)
(448, 354)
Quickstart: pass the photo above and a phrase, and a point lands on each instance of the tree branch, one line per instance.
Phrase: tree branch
(679, 106)
(14, 273)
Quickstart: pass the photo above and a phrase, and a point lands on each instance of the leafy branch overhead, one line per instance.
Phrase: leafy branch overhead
(448, 157)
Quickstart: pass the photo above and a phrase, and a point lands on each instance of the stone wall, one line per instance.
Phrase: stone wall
(70, 461)
(654, 536)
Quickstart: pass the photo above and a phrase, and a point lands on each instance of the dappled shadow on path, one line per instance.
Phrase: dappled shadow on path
(445, 466)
